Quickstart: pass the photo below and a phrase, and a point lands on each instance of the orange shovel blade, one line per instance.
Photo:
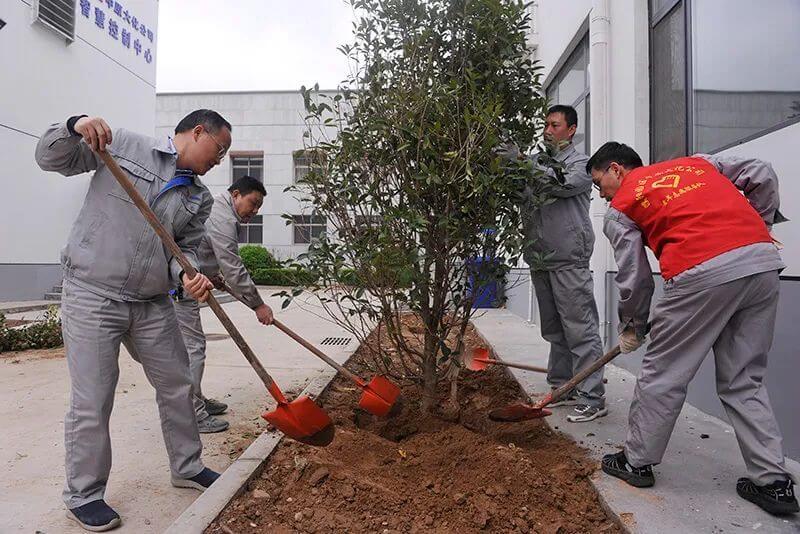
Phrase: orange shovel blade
(518, 412)
(478, 360)
(303, 421)
(380, 397)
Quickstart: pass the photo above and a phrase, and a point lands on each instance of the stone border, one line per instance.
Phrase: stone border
(233, 482)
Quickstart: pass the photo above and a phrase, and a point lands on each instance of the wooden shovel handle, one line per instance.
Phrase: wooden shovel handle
(294, 335)
(518, 365)
(190, 271)
(578, 378)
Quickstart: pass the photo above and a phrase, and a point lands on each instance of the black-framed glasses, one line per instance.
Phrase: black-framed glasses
(596, 185)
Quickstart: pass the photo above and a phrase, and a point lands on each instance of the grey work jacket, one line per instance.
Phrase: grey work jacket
(562, 228)
(112, 250)
(219, 251)
(634, 278)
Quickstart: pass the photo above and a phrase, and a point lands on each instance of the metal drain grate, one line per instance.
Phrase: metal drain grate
(336, 341)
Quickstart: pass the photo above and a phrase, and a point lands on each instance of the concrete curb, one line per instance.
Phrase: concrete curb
(234, 480)
(23, 308)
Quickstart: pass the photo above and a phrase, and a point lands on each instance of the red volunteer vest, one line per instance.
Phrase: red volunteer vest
(688, 212)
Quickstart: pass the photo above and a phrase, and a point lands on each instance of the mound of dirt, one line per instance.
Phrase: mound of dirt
(416, 473)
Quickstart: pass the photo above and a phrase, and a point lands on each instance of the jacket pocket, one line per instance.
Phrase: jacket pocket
(141, 178)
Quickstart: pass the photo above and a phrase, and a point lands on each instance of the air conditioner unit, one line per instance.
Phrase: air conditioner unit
(58, 15)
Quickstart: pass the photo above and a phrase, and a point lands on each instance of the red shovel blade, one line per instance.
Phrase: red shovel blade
(478, 360)
(518, 412)
(380, 397)
(303, 421)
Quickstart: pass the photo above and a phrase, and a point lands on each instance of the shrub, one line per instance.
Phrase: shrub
(283, 277)
(43, 334)
(256, 257)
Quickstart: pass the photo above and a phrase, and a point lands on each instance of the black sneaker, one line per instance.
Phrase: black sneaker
(570, 400)
(95, 516)
(200, 481)
(215, 407)
(617, 465)
(777, 498)
(583, 413)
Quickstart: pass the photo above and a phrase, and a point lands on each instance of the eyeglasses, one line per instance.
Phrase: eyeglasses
(222, 149)
(596, 185)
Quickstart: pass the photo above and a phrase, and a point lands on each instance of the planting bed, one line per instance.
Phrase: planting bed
(418, 473)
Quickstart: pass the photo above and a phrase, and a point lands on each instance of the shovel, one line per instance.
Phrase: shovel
(300, 419)
(479, 360)
(523, 412)
(380, 396)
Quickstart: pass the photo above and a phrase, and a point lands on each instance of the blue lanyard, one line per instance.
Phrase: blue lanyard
(182, 177)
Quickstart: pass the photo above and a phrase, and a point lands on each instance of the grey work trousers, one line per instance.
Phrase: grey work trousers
(188, 312)
(736, 320)
(569, 322)
(93, 328)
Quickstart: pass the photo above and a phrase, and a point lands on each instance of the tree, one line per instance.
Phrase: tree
(412, 182)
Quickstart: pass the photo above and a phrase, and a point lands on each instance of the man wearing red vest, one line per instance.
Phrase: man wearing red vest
(720, 267)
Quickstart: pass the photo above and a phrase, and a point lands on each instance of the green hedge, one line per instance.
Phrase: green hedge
(43, 334)
(255, 257)
(283, 277)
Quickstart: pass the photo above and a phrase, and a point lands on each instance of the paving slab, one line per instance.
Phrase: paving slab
(33, 399)
(695, 485)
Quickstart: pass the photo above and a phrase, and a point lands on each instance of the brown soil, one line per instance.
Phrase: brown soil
(11, 323)
(32, 354)
(418, 473)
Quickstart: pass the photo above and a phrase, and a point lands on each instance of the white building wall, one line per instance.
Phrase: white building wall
(46, 80)
(269, 121)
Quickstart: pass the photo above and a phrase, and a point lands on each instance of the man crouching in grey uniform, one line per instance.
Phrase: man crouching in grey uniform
(117, 276)
(219, 259)
(561, 233)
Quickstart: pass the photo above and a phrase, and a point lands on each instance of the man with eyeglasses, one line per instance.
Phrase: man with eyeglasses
(720, 266)
(117, 276)
(560, 243)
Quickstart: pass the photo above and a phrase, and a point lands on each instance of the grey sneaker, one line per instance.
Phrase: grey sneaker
(572, 400)
(211, 424)
(584, 413)
(215, 407)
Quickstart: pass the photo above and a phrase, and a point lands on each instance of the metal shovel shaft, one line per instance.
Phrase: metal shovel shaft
(578, 378)
(190, 271)
(515, 365)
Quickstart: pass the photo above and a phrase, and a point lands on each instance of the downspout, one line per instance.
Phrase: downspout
(600, 132)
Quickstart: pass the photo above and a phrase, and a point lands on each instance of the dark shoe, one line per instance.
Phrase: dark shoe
(777, 498)
(211, 424)
(200, 481)
(215, 407)
(95, 516)
(583, 413)
(571, 400)
(617, 465)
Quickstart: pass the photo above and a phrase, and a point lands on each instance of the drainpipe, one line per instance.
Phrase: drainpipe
(599, 94)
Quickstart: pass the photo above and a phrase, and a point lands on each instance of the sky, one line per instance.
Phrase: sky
(241, 45)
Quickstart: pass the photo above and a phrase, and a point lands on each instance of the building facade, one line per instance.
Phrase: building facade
(673, 78)
(268, 144)
(62, 58)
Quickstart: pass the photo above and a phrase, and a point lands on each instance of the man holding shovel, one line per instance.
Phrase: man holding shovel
(117, 276)
(720, 267)
(562, 241)
(218, 255)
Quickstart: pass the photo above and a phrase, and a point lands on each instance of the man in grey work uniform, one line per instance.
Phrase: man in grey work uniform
(721, 266)
(117, 276)
(562, 241)
(218, 254)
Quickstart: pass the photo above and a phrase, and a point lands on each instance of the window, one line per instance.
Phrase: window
(304, 161)
(308, 227)
(571, 87)
(253, 231)
(714, 86)
(58, 15)
(247, 164)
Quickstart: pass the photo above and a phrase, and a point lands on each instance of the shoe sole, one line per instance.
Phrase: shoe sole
(772, 507)
(632, 479)
(114, 523)
(582, 419)
(185, 483)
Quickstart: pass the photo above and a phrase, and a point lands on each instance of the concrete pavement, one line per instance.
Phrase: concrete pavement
(34, 392)
(695, 489)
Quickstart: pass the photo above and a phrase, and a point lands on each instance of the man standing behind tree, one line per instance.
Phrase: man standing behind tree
(218, 255)
(562, 241)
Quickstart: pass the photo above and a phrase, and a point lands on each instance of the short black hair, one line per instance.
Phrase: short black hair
(570, 115)
(613, 152)
(208, 118)
(246, 185)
